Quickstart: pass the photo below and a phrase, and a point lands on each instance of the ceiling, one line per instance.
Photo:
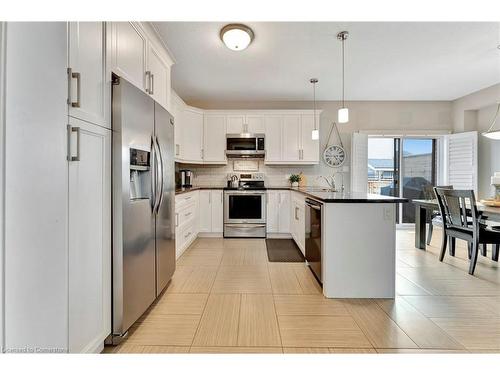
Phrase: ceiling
(384, 61)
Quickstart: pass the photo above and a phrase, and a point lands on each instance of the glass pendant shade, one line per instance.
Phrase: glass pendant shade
(492, 134)
(315, 134)
(343, 115)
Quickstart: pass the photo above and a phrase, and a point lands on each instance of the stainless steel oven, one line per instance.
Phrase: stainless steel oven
(245, 145)
(245, 213)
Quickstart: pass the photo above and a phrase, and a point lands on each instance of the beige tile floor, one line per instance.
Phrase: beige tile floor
(225, 297)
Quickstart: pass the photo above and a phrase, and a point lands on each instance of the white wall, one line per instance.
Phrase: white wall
(464, 109)
(365, 115)
(2, 173)
(475, 112)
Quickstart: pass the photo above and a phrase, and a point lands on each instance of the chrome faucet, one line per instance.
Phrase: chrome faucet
(331, 181)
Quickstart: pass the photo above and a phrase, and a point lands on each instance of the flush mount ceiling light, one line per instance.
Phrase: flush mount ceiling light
(236, 36)
(315, 131)
(490, 133)
(343, 114)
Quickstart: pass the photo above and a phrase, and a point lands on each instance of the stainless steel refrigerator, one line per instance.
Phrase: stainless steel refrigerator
(143, 203)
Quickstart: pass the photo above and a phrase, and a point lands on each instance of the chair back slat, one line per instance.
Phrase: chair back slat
(429, 191)
(458, 209)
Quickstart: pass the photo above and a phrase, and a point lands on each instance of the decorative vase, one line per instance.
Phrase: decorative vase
(295, 184)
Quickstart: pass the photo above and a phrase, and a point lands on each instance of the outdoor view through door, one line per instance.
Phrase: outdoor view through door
(401, 167)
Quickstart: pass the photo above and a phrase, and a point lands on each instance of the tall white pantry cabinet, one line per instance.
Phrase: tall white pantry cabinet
(57, 252)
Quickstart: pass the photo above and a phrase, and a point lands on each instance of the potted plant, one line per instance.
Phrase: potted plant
(294, 180)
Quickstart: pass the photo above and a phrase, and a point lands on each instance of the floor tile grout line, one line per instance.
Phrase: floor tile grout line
(407, 334)
(206, 303)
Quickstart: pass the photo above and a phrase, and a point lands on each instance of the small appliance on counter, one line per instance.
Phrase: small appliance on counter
(186, 178)
(232, 181)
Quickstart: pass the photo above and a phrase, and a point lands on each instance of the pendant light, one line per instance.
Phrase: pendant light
(343, 114)
(490, 133)
(315, 131)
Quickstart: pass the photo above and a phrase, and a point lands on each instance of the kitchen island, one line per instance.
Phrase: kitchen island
(358, 237)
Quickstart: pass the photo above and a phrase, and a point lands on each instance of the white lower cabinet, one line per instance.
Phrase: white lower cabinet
(211, 211)
(297, 226)
(89, 255)
(186, 221)
(278, 212)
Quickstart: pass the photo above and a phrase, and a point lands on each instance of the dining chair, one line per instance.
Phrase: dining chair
(435, 218)
(461, 219)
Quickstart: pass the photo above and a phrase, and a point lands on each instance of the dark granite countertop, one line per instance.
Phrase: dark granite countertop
(320, 194)
(194, 188)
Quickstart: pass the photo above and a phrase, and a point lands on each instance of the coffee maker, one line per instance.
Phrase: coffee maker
(186, 178)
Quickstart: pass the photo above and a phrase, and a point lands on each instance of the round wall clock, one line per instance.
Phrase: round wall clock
(334, 156)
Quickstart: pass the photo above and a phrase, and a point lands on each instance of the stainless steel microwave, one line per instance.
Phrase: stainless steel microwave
(245, 145)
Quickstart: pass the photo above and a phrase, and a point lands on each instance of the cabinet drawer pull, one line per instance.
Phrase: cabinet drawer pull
(188, 214)
(188, 198)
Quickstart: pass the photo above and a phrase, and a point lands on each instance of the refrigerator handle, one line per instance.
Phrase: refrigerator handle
(162, 182)
(153, 175)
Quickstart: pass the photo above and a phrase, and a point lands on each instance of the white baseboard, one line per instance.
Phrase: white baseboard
(279, 235)
(210, 234)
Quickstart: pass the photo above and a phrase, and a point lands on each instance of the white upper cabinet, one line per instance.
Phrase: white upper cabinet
(309, 147)
(192, 135)
(288, 139)
(158, 75)
(255, 124)
(88, 96)
(273, 129)
(138, 57)
(241, 123)
(129, 53)
(177, 109)
(291, 138)
(214, 139)
(235, 124)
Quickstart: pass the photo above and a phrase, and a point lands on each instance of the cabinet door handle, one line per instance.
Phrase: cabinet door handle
(74, 75)
(187, 235)
(188, 214)
(176, 219)
(148, 81)
(296, 217)
(70, 130)
(177, 149)
(152, 89)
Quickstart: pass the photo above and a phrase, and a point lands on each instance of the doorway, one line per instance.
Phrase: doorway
(402, 167)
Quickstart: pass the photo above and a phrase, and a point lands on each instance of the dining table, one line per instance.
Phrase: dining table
(424, 207)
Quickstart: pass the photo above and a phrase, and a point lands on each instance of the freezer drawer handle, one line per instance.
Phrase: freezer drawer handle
(72, 129)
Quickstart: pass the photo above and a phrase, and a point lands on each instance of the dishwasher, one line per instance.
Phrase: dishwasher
(313, 237)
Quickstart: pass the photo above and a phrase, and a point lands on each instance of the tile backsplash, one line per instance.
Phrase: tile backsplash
(216, 175)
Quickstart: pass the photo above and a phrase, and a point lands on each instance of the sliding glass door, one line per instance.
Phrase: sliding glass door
(401, 167)
(418, 171)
